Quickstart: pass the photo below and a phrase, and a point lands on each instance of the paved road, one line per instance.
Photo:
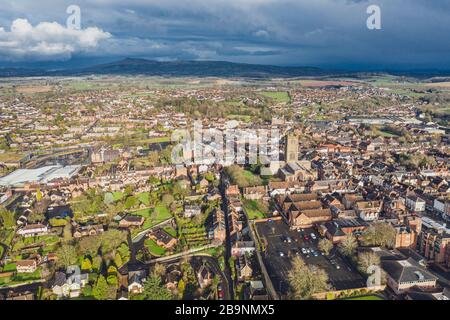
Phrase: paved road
(224, 184)
(132, 247)
(214, 266)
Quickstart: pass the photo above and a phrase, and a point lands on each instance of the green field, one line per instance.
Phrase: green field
(44, 241)
(9, 267)
(21, 278)
(254, 209)
(369, 297)
(140, 94)
(278, 96)
(144, 198)
(154, 249)
(170, 231)
(245, 118)
(153, 217)
(8, 156)
(143, 213)
(117, 195)
(155, 140)
(161, 213)
(385, 133)
(234, 102)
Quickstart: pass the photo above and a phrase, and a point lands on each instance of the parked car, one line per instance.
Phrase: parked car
(288, 240)
(281, 254)
(313, 236)
(306, 237)
(220, 294)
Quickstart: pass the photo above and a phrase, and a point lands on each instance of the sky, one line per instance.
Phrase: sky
(330, 34)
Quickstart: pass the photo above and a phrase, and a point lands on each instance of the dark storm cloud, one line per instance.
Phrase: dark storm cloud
(329, 33)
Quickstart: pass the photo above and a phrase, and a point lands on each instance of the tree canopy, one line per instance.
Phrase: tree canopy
(305, 280)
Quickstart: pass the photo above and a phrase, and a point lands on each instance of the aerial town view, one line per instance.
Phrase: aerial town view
(192, 178)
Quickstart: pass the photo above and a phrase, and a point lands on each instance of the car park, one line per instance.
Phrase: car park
(279, 254)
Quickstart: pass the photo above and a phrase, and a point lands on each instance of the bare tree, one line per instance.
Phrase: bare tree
(325, 245)
(305, 280)
(379, 234)
(367, 259)
(348, 245)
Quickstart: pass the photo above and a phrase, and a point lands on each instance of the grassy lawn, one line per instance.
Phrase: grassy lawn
(140, 94)
(155, 216)
(245, 118)
(370, 297)
(161, 213)
(386, 134)
(28, 276)
(8, 156)
(154, 249)
(144, 198)
(21, 278)
(255, 209)
(6, 236)
(143, 213)
(215, 252)
(117, 195)
(46, 240)
(170, 231)
(278, 96)
(248, 174)
(155, 140)
(9, 267)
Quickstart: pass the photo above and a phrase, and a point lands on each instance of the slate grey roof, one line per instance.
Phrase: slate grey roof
(408, 270)
(59, 279)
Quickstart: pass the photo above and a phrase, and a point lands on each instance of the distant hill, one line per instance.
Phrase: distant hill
(171, 68)
(222, 69)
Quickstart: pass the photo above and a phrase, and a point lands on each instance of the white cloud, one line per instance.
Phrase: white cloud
(47, 40)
